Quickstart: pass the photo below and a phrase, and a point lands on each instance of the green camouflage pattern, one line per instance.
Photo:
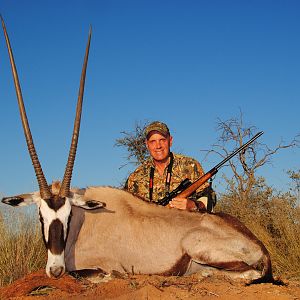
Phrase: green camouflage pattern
(183, 167)
(157, 126)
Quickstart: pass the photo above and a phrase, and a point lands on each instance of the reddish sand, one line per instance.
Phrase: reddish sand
(141, 287)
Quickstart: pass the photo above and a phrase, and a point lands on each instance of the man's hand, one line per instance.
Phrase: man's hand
(183, 203)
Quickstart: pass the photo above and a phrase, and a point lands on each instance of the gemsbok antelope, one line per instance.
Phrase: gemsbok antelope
(116, 231)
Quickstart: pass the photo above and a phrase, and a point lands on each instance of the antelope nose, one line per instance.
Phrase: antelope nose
(56, 271)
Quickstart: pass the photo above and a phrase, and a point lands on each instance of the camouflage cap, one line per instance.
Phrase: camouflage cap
(157, 126)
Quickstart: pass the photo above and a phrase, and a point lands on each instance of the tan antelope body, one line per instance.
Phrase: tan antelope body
(130, 235)
(117, 231)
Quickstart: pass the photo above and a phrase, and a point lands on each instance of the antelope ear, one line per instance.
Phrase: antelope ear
(80, 201)
(20, 200)
(92, 204)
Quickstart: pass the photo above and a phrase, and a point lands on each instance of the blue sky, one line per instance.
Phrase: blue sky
(186, 63)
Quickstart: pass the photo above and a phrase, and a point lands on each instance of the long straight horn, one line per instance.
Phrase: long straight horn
(43, 186)
(65, 186)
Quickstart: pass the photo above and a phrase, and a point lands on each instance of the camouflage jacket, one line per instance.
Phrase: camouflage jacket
(183, 167)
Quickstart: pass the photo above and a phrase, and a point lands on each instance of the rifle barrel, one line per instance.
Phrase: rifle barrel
(238, 150)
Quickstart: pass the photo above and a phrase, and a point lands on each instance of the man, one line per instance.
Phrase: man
(163, 171)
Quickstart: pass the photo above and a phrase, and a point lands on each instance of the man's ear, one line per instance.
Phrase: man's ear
(90, 204)
(171, 140)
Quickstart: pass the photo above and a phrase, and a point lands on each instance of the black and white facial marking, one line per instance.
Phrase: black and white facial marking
(55, 215)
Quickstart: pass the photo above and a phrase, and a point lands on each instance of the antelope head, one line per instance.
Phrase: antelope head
(54, 203)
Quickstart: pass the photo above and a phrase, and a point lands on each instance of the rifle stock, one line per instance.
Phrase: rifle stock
(195, 185)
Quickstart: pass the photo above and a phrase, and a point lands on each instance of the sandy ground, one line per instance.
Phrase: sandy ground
(138, 287)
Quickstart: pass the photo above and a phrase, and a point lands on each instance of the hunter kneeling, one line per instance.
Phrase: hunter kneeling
(164, 171)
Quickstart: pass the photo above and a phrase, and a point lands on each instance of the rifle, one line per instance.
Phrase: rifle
(186, 188)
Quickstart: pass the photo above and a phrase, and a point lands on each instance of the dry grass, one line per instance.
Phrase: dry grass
(276, 222)
(21, 246)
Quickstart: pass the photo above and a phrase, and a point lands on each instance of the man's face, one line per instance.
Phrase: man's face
(159, 146)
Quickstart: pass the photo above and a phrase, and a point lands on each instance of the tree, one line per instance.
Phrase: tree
(134, 142)
(233, 134)
(295, 188)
